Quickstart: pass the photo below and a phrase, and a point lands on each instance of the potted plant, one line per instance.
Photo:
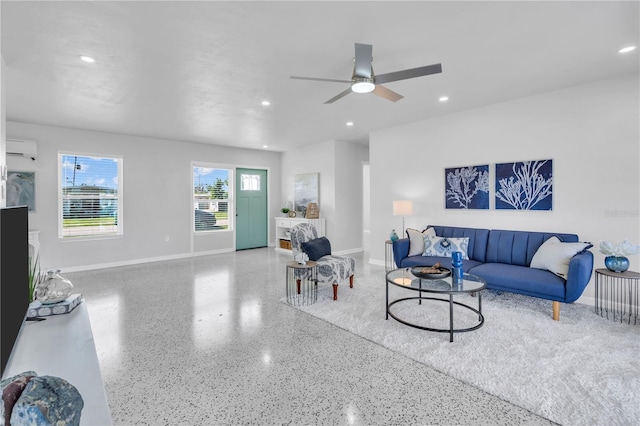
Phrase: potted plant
(285, 211)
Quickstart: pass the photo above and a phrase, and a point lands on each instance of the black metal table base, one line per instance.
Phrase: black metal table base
(451, 302)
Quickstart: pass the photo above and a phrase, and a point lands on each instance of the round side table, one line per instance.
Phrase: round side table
(618, 295)
(302, 283)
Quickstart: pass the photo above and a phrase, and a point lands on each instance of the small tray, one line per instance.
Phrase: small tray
(417, 271)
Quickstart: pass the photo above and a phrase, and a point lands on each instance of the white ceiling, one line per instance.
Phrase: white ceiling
(197, 71)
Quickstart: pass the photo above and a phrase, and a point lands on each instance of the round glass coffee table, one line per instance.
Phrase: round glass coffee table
(470, 284)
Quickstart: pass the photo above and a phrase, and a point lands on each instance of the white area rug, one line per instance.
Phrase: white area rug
(581, 370)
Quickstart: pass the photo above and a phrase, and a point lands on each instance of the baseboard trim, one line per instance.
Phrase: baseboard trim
(140, 261)
(348, 251)
(377, 262)
(587, 300)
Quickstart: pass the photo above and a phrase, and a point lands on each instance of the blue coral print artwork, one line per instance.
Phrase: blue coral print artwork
(467, 187)
(526, 185)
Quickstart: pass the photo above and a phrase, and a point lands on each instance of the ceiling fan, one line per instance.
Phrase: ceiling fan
(364, 80)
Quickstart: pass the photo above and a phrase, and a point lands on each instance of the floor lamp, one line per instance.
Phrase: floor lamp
(403, 208)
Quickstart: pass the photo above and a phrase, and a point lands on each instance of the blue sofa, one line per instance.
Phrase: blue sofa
(502, 259)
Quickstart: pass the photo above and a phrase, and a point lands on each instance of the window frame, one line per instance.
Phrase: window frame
(119, 231)
(230, 196)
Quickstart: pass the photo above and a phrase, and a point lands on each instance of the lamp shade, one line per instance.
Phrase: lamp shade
(403, 208)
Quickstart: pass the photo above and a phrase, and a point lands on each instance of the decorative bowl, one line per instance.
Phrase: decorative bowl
(420, 272)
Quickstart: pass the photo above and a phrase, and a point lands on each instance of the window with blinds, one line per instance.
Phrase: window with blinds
(90, 191)
(211, 198)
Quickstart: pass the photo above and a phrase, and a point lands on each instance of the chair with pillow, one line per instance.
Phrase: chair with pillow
(331, 269)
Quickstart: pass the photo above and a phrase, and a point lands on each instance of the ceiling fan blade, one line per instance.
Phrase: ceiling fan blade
(410, 73)
(331, 80)
(387, 93)
(339, 96)
(363, 59)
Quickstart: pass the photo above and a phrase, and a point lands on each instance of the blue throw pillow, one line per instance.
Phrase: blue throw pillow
(317, 248)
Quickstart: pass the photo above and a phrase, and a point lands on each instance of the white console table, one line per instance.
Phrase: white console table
(63, 346)
(284, 225)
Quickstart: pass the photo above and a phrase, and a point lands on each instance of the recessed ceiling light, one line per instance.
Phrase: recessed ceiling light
(265, 103)
(265, 146)
(88, 59)
(349, 123)
(443, 98)
(627, 49)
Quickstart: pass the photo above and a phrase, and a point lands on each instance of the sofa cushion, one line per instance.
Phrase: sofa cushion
(554, 255)
(420, 260)
(416, 240)
(317, 248)
(443, 246)
(521, 279)
(518, 247)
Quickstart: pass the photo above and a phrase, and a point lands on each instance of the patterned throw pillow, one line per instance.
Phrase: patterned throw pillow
(416, 240)
(442, 246)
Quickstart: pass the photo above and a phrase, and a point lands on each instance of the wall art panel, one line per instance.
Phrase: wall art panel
(467, 187)
(305, 188)
(21, 189)
(525, 185)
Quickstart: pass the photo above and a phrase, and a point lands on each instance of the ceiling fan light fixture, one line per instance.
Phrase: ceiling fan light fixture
(363, 85)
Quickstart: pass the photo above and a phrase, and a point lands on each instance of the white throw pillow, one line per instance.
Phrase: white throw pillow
(554, 256)
(442, 246)
(416, 240)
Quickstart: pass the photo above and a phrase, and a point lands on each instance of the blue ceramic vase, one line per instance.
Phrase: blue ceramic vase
(393, 236)
(616, 263)
(456, 263)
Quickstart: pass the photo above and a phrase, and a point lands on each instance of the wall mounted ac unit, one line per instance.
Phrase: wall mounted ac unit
(26, 148)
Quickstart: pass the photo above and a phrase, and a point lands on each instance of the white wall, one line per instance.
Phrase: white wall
(366, 207)
(316, 158)
(340, 194)
(349, 194)
(591, 132)
(157, 195)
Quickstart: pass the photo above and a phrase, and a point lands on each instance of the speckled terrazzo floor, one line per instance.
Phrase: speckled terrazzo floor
(206, 341)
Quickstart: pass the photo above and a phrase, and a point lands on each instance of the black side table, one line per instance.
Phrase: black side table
(618, 295)
(389, 263)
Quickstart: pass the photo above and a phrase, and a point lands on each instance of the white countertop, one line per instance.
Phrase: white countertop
(63, 346)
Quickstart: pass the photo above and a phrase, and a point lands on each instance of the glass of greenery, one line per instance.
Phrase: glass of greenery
(36, 276)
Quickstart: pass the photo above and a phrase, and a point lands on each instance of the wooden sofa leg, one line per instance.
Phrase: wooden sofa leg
(298, 286)
(351, 281)
(335, 292)
(556, 310)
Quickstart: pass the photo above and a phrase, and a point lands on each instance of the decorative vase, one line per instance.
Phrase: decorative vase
(53, 289)
(616, 263)
(393, 236)
(456, 263)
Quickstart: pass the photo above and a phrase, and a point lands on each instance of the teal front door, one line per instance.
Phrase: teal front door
(251, 208)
